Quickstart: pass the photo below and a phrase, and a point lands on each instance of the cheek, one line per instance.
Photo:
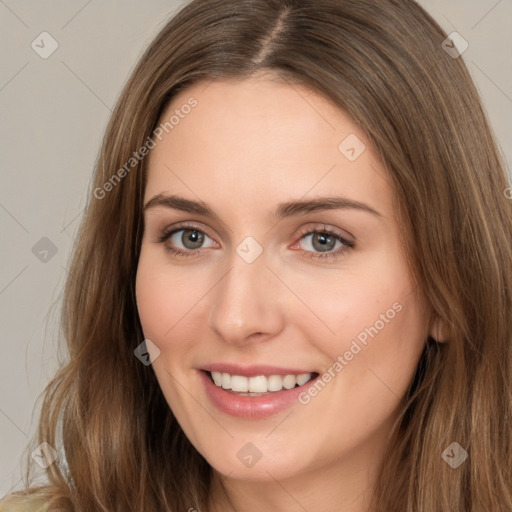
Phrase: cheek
(368, 320)
(380, 340)
(165, 303)
(154, 302)
(164, 296)
(371, 357)
(172, 303)
(348, 304)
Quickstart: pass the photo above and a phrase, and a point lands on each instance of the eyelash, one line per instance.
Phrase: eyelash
(165, 234)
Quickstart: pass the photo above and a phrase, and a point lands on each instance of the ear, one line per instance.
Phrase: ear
(439, 331)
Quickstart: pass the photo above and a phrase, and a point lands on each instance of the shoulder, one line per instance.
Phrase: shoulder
(22, 503)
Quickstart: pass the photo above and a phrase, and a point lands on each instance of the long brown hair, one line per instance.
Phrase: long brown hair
(383, 63)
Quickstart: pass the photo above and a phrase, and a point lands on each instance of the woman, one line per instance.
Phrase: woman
(292, 286)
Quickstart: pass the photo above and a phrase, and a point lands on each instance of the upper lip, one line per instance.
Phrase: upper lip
(253, 370)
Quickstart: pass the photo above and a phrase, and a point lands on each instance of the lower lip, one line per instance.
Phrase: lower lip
(253, 407)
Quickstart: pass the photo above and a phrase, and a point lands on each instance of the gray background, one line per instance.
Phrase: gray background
(54, 113)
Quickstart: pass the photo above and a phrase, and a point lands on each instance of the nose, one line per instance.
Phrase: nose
(246, 306)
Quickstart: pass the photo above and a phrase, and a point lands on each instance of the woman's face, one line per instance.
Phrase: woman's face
(289, 267)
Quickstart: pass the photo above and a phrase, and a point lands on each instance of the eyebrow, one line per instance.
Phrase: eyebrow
(283, 210)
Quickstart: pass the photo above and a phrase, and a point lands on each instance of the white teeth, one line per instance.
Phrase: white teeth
(303, 378)
(257, 384)
(239, 383)
(289, 381)
(260, 383)
(274, 383)
(217, 378)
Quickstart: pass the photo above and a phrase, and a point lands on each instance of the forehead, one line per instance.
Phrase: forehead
(264, 139)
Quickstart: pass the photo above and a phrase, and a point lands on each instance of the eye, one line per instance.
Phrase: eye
(184, 240)
(320, 243)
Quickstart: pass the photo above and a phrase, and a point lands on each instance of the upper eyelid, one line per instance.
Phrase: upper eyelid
(157, 209)
(321, 227)
(183, 226)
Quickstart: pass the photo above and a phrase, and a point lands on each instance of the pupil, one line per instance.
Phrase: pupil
(192, 237)
(326, 242)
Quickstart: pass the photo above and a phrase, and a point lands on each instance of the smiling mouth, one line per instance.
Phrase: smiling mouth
(259, 384)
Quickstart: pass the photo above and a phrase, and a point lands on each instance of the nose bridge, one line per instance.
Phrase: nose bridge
(245, 301)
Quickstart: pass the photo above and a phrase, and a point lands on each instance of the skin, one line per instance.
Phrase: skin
(248, 146)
